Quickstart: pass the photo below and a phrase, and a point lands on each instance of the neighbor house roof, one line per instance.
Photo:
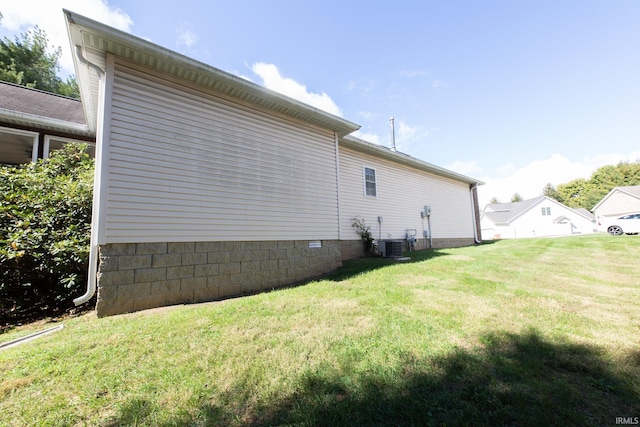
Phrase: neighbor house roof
(34, 108)
(584, 212)
(633, 191)
(92, 40)
(505, 213)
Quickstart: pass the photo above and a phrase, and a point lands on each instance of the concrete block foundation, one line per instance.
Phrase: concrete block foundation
(138, 276)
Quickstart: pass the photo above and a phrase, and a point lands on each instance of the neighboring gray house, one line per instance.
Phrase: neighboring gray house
(33, 123)
(537, 217)
(620, 201)
(208, 185)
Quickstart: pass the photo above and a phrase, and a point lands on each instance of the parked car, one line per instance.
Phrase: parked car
(627, 224)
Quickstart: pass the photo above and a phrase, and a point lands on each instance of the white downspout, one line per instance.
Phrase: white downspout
(92, 273)
(337, 154)
(473, 212)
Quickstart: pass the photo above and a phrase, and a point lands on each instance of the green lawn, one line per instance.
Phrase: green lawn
(527, 332)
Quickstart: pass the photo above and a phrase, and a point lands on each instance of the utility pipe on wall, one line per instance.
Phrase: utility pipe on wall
(393, 134)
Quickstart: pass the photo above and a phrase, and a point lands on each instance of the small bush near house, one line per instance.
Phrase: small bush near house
(45, 223)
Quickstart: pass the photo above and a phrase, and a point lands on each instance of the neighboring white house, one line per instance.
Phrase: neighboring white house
(537, 217)
(620, 201)
(208, 185)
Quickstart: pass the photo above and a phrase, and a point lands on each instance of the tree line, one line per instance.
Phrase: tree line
(28, 61)
(586, 193)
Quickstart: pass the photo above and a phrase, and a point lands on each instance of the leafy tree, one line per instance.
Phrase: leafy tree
(26, 61)
(587, 193)
(550, 191)
(45, 222)
(572, 193)
(494, 201)
(516, 198)
(69, 88)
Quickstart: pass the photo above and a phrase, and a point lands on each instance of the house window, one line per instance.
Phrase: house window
(370, 182)
(52, 143)
(546, 211)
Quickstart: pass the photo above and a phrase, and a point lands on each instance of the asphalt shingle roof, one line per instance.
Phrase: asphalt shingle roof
(503, 213)
(39, 103)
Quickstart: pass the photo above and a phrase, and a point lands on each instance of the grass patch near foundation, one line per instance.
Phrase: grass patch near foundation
(521, 332)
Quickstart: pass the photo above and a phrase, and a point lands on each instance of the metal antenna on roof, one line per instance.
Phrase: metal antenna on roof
(393, 134)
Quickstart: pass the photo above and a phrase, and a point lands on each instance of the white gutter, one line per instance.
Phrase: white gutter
(44, 122)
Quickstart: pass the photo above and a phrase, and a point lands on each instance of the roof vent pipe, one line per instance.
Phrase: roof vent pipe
(393, 134)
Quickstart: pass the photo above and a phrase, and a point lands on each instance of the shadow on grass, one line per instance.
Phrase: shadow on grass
(355, 267)
(521, 380)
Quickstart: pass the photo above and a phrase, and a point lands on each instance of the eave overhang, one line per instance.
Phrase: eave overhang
(44, 123)
(87, 35)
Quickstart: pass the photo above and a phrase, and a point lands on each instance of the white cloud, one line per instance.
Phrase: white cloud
(18, 17)
(272, 79)
(367, 115)
(411, 73)
(405, 131)
(407, 136)
(529, 180)
(367, 136)
(470, 168)
(186, 37)
(363, 86)
(436, 83)
(439, 84)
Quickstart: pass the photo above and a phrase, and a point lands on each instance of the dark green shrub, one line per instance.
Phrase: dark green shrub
(45, 225)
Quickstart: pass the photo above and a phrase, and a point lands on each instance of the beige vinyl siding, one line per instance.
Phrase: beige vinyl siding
(402, 193)
(191, 166)
(619, 203)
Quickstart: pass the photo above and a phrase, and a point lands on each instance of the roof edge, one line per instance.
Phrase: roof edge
(333, 122)
(355, 143)
(46, 123)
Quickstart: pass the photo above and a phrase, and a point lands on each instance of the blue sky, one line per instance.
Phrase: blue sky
(514, 93)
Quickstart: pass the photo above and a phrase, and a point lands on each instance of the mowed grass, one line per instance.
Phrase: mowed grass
(523, 332)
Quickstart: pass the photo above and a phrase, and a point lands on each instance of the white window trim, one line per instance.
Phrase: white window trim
(47, 143)
(364, 181)
(34, 135)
